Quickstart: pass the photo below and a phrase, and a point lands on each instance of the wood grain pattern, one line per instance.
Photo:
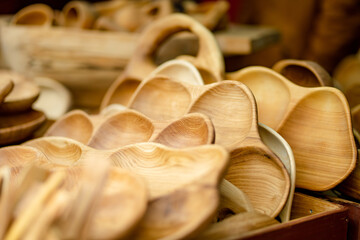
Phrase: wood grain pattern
(303, 73)
(314, 121)
(232, 110)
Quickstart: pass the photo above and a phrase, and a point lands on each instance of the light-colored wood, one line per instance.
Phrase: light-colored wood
(142, 63)
(162, 219)
(23, 94)
(235, 128)
(282, 149)
(34, 15)
(54, 100)
(17, 127)
(346, 78)
(6, 85)
(236, 226)
(202, 162)
(124, 127)
(77, 14)
(314, 121)
(232, 201)
(350, 186)
(303, 73)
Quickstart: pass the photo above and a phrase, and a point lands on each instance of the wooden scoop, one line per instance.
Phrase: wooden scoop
(282, 149)
(17, 127)
(314, 121)
(77, 14)
(22, 96)
(35, 15)
(303, 73)
(141, 64)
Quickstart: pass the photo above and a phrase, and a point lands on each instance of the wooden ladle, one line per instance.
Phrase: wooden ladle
(23, 94)
(303, 73)
(314, 121)
(232, 110)
(141, 64)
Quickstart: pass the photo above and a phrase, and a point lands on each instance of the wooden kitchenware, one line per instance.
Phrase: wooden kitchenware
(23, 94)
(303, 73)
(54, 100)
(6, 85)
(282, 149)
(142, 63)
(314, 121)
(34, 15)
(19, 126)
(235, 128)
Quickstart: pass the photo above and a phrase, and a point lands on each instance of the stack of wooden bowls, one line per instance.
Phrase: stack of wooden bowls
(17, 118)
(177, 151)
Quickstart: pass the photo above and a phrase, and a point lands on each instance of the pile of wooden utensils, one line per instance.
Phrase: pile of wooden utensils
(168, 157)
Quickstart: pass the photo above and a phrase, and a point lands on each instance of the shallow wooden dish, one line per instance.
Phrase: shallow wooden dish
(303, 73)
(314, 121)
(17, 127)
(142, 64)
(23, 94)
(282, 149)
(160, 98)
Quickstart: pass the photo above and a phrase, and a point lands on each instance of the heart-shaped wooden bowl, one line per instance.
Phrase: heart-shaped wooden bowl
(232, 110)
(34, 15)
(23, 94)
(303, 73)
(314, 121)
(142, 64)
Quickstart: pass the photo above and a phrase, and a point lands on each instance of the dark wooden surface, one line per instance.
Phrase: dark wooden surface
(330, 225)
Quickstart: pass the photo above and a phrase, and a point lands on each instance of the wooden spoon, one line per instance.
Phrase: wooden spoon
(22, 96)
(314, 121)
(303, 73)
(142, 64)
(281, 148)
(35, 15)
(17, 127)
